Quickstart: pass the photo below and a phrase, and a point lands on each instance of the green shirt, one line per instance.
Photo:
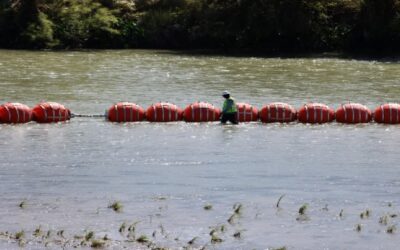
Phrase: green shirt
(229, 106)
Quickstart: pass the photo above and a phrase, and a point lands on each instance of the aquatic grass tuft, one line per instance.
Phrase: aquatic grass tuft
(384, 220)
(365, 214)
(237, 235)
(38, 232)
(19, 235)
(279, 200)
(142, 239)
(191, 242)
(302, 213)
(61, 233)
(116, 206)
(280, 248)
(303, 209)
(97, 244)
(215, 239)
(89, 236)
(22, 204)
(231, 219)
(207, 207)
(237, 208)
(122, 227)
(391, 229)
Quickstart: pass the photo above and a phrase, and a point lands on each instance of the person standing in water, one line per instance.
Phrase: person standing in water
(229, 109)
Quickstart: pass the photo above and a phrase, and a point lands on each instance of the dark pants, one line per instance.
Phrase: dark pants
(229, 117)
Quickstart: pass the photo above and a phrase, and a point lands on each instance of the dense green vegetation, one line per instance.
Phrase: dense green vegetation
(268, 26)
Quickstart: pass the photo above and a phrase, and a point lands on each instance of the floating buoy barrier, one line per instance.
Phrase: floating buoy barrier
(246, 113)
(164, 112)
(48, 112)
(125, 112)
(201, 112)
(315, 113)
(15, 113)
(388, 113)
(353, 113)
(278, 112)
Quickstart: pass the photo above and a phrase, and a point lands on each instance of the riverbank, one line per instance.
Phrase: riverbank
(356, 27)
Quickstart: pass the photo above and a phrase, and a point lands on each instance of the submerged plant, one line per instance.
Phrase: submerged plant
(237, 208)
(391, 229)
(89, 236)
(97, 244)
(302, 213)
(207, 207)
(122, 227)
(384, 220)
(61, 233)
(215, 239)
(22, 204)
(231, 219)
(38, 232)
(116, 206)
(237, 235)
(143, 239)
(365, 214)
(191, 242)
(303, 209)
(19, 235)
(279, 200)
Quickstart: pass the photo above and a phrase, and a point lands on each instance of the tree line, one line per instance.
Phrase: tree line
(267, 26)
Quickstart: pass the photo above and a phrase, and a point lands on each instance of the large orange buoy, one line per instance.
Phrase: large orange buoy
(47, 112)
(315, 113)
(164, 112)
(353, 113)
(278, 112)
(246, 112)
(388, 113)
(125, 112)
(201, 112)
(15, 113)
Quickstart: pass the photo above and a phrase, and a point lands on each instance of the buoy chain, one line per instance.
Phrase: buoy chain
(87, 116)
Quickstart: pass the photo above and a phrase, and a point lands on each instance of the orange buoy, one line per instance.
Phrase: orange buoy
(201, 112)
(47, 112)
(353, 113)
(388, 113)
(164, 112)
(278, 112)
(125, 112)
(15, 113)
(315, 113)
(246, 112)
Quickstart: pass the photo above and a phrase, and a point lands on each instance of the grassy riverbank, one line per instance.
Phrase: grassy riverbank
(369, 27)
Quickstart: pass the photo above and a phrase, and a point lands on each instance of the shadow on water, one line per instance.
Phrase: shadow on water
(260, 54)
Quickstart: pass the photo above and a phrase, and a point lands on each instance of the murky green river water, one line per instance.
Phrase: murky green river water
(68, 174)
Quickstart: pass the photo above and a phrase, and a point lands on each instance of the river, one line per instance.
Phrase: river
(64, 176)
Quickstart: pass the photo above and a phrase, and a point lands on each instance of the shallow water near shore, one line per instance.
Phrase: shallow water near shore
(67, 174)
